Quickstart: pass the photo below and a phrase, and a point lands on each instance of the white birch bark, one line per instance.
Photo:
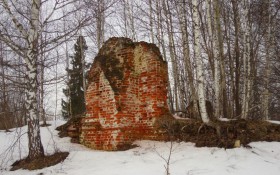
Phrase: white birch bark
(161, 41)
(30, 55)
(158, 25)
(172, 52)
(41, 95)
(246, 60)
(199, 64)
(161, 30)
(26, 46)
(35, 146)
(151, 21)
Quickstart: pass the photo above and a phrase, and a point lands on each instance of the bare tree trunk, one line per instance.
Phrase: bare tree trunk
(219, 64)
(246, 61)
(35, 145)
(30, 59)
(3, 102)
(199, 68)
(199, 64)
(161, 30)
(129, 13)
(125, 18)
(209, 44)
(151, 21)
(67, 68)
(237, 55)
(83, 46)
(175, 73)
(41, 91)
(56, 69)
(214, 45)
(27, 27)
(159, 27)
(161, 41)
(231, 104)
(180, 85)
(186, 50)
(268, 44)
(100, 17)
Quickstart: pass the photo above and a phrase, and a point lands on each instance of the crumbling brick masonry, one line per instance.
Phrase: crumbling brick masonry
(126, 94)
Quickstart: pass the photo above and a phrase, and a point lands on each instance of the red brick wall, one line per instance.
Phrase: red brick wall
(126, 94)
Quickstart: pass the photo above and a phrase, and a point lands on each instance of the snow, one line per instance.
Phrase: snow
(225, 119)
(274, 121)
(146, 159)
(179, 117)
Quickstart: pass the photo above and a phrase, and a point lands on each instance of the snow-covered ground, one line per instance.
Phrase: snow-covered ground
(147, 159)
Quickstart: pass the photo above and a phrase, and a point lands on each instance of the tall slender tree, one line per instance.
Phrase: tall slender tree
(247, 84)
(268, 50)
(30, 54)
(20, 30)
(199, 64)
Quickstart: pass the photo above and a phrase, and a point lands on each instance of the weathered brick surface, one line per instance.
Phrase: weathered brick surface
(126, 94)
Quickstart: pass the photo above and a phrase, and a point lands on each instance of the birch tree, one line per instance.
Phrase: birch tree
(183, 23)
(199, 68)
(172, 52)
(268, 50)
(221, 59)
(199, 64)
(246, 60)
(214, 51)
(129, 12)
(151, 21)
(98, 10)
(160, 37)
(217, 52)
(21, 31)
(30, 54)
(236, 24)
(100, 16)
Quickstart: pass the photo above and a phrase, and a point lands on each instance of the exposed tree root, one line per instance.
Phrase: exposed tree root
(222, 133)
(216, 126)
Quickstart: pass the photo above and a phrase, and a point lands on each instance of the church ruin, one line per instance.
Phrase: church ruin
(126, 94)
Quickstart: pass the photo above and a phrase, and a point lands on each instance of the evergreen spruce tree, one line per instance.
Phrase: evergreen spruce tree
(74, 90)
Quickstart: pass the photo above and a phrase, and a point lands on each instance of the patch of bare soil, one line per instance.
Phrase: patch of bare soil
(45, 125)
(41, 162)
(245, 131)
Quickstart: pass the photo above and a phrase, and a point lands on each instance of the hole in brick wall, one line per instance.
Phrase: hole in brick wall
(119, 108)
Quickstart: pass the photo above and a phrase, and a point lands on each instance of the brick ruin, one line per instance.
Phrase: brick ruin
(126, 95)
